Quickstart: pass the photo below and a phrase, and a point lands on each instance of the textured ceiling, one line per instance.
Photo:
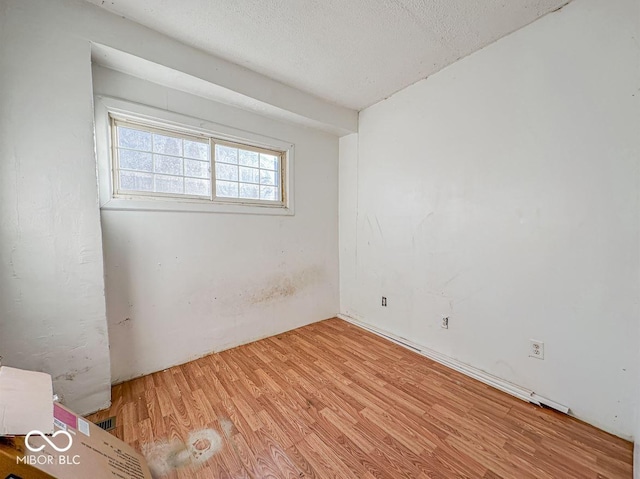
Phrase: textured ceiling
(349, 52)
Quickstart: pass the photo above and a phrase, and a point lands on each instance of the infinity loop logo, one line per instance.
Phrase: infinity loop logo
(55, 434)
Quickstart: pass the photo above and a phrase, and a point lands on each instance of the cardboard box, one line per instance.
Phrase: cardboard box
(78, 449)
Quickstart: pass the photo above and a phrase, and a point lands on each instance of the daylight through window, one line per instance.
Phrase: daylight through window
(152, 161)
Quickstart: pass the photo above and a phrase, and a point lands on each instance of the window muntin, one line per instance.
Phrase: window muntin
(247, 173)
(152, 161)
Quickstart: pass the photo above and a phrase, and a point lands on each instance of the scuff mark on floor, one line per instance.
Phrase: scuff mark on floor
(203, 444)
(163, 457)
(227, 427)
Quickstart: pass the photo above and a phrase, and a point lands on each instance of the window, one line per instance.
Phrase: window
(153, 159)
(165, 162)
(247, 173)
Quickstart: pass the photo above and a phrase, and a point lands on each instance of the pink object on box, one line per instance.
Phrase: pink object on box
(64, 416)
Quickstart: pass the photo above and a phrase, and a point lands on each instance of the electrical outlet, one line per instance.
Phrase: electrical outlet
(445, 322)
(536, 349)
(384, 301)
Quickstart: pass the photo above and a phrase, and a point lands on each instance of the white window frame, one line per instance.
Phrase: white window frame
(107, 108)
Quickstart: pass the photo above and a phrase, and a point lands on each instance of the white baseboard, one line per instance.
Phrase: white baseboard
(480, 375)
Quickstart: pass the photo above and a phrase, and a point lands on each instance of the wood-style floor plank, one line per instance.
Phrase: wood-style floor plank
(330, 400)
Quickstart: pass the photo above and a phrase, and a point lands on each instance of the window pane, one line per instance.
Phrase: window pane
(134, 139)
(226, 189)
(268, 193)
(226, 172)
(249, 158)
(249, 191)
(226, 154)
(197, 168)
(169, 165)
(167, 145)
(169, 184)
(134, 181)
(249, 175)
(150, 159)
(135, 160)
(268, 177)
(193, 186)
(269, 162)
(197, 150)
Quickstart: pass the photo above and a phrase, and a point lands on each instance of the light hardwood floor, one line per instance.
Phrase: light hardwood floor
(330, 400)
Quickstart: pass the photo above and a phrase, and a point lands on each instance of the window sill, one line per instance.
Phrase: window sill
(193, 206)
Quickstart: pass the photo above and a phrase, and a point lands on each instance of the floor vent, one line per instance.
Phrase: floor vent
(107, 424)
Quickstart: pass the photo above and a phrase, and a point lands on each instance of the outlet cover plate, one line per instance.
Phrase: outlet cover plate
(536, 349)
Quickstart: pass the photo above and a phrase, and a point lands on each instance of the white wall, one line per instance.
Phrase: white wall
(52, 303)
(181, 285)
(503, 192)
(348, 199)
(52, 308)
